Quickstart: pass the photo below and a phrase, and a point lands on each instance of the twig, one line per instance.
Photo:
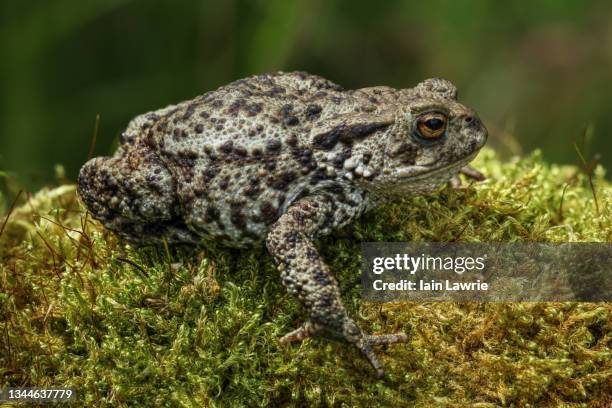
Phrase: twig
(135, 265)
(10, 212)
(92, 143)
(588, 168)
(561, 203)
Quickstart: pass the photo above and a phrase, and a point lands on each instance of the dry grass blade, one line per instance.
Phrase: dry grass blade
(10, 211)
(94, 137)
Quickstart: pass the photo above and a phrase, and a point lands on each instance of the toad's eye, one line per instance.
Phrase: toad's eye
(431, 125)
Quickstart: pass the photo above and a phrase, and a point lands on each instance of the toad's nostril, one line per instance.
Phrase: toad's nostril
(469, 119)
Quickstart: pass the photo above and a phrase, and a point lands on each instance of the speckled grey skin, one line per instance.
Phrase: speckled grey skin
(281, 159)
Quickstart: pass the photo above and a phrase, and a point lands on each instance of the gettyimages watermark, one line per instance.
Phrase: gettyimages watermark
(493, 272)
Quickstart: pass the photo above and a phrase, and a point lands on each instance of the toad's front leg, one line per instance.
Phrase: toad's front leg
(307, 277)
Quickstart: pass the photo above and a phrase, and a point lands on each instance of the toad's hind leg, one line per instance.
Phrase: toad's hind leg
(307, 277)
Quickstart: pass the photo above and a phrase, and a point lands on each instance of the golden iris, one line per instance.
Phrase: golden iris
(431, 125)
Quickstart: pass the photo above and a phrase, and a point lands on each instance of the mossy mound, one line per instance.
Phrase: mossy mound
(181, 326)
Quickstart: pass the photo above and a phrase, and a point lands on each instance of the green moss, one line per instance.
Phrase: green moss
(184, 326)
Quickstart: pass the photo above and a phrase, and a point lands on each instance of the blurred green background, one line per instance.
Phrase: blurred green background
(539, 73)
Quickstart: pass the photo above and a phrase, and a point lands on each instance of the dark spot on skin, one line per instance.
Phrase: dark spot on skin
(185, 158)
(224, 183)
(259, 128)
(149, 142)
(189, 112)
(327, 140)
(240, 151)
(367, 156)
(211, 214)
(304, 156)
(210, 173)
(236, 216)
(226, 147)
(235, 106)
(176, 133)
(273, 146)
(200, 192)
(268, 212)
(341, 157)
(287, 114)
(291, 121)
(270, 165)
(312, 254)
(199, 128)
(281, 181)
(346, 134)
(219, 127)
(257, 152)
(292, 237)
(286, 110)
(292, 140)
(204, 115)
(361, 130)
(313, 111)
(253, 189)
(309, 163)
(253, 109)
(216, 104)
(307, 169)
(275, 91)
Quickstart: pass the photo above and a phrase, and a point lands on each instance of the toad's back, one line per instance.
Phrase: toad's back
(241, 154)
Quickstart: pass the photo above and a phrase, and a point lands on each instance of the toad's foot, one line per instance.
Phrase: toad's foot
(307, 277)
(469, 172)
(353, 335)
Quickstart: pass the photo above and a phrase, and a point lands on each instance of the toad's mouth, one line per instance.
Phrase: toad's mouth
(427, 170)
